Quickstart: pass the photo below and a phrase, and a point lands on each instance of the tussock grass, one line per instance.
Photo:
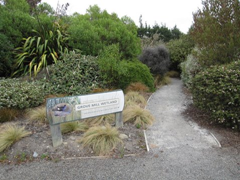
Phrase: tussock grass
(101, 139)
(8, 114)
(134, 97)
(161, 80)
(138, 116)
(101, 120)
(137, 86)
(74, 126)
(10, 134)
(37, 115)
(173, 74)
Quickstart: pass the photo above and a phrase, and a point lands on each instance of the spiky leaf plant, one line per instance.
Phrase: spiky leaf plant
(101, 120)
(137, 115)
(10, 134)
(37, 115)
(134, 97)
(101, 139)
(74, 126)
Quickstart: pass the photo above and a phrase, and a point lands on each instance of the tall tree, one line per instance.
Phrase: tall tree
(216, 31)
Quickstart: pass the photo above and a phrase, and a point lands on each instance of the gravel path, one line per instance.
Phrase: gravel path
(178, 150)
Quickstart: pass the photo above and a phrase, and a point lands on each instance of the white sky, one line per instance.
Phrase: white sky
(167, 12)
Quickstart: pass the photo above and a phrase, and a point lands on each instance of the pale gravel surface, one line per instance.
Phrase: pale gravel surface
(178, 150)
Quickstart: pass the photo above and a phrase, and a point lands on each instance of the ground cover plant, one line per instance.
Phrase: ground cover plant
(10, 134)
(101, 139)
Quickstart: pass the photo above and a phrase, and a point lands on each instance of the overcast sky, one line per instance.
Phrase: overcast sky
(167, 12)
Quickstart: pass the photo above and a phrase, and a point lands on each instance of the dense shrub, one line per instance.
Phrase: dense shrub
(179, 50)
(20, 94)
(91, 32)
(130, 72)
(156, 58)
(119, 73)
(75, 74)
(217, 90)
(189, 69)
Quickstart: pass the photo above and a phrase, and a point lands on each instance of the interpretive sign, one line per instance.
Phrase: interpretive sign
(72, 108)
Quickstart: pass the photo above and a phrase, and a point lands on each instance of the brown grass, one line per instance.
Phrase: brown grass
(137, 86)
(133, 97)
(8, 114)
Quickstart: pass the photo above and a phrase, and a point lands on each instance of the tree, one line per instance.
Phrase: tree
(216, 31)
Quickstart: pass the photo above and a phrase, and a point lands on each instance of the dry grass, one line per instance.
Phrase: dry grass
(8, 114)
(37, 115)
(137, 86)
(161, 81)
(140, 117)
(11, 134)
(101, 139)
(99, 90)
(133, 97)
(74, 126)
(173, 74)
(101, 120)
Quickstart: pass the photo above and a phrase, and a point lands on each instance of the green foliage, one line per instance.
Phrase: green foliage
(5, 56)
(189, 69)
(216, 32)
(91, 32)
(101, 139)
(40, 50)
(179, 50)
(119, 73)
(10, 135)
(20, 94)
(156, 58)
(216, 89)
(75, 74)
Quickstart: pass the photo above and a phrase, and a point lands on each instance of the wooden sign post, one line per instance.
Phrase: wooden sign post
(72, 108)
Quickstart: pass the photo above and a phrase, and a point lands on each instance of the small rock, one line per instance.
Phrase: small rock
(123, 136)
(35, 154)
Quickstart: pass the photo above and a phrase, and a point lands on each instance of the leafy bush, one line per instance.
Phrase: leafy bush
(179, 50)
(189, 68)
(217, 90)
(119, 73)
(91, 32)
(156, 58)
(20, 94)
(76, 74)
(101, 139)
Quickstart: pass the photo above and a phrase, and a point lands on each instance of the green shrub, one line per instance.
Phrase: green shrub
(179, 50)
(120, 74)
(76, 74)
(216, 89)
(189, 69)
(20, 94)
(156, 58)
(136, 71)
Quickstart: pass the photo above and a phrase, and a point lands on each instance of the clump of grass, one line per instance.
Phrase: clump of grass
(137, 86)
(173, 74)
(138, 116)
(8, 114)
(133, 97)
(37, 115)
(101, 120)
(161, 80)
(74, 126)
(11, 134)
(101, 139)
(99, 90)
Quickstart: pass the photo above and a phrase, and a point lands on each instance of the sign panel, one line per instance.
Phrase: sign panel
(73, 108)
